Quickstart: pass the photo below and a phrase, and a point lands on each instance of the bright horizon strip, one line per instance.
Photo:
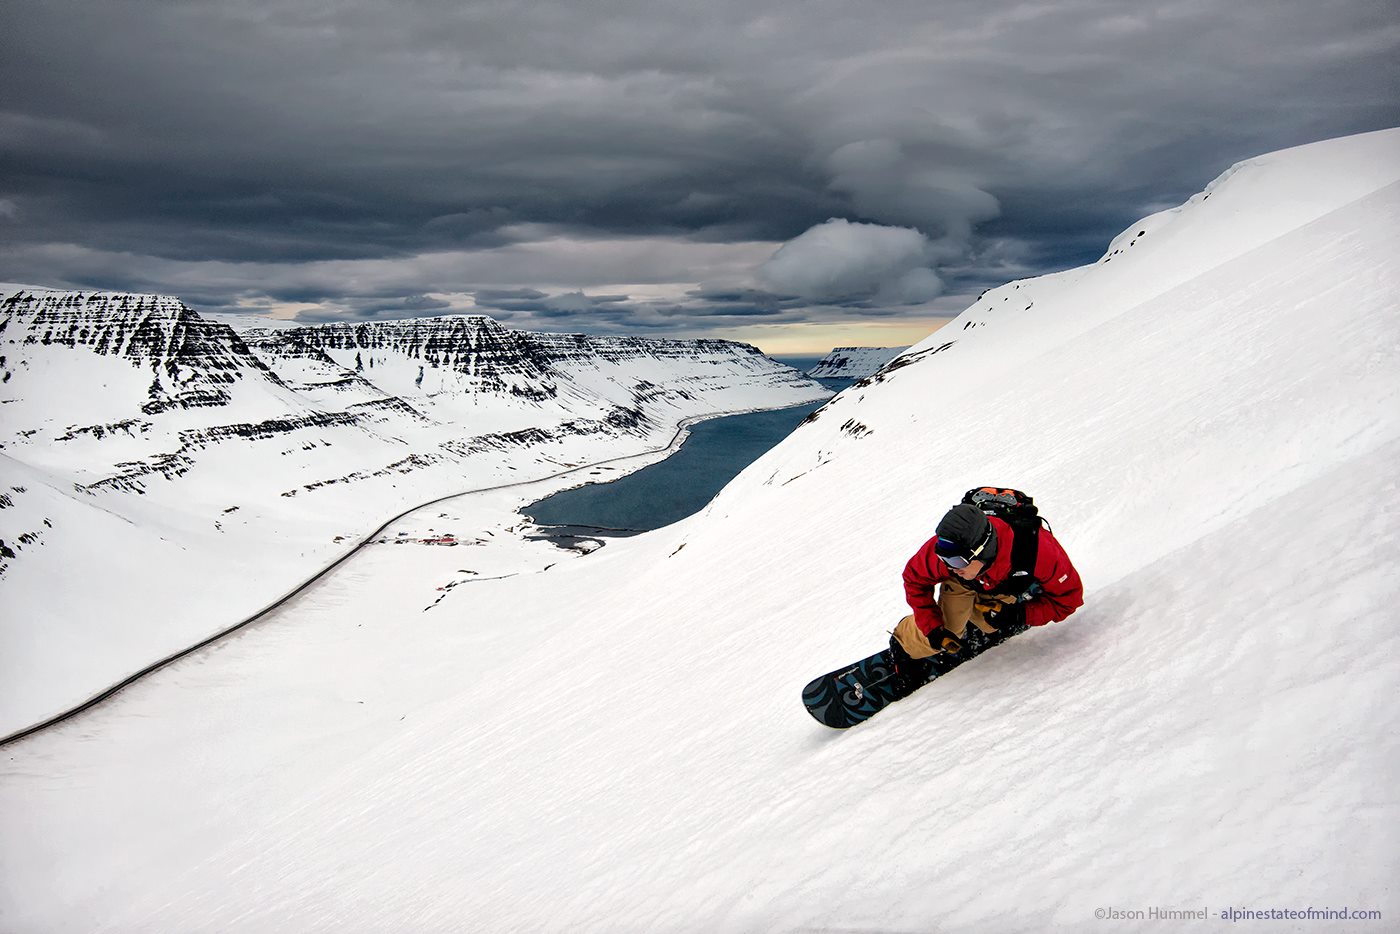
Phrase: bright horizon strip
(819, 337)
(803, 339)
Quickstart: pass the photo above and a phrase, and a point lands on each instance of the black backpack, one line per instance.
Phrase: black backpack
(1019, 511)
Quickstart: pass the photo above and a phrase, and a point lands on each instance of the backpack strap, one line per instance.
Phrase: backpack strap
(1025, 548)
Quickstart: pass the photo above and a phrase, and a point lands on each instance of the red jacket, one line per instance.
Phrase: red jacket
(1062, 592)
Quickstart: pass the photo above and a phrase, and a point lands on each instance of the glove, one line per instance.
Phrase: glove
(1031, 592)
(944, 641)
(1007, 616)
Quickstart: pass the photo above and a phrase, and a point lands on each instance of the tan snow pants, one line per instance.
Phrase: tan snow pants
(959, 605)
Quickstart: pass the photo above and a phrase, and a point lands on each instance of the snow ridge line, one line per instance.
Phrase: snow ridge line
(682, 432)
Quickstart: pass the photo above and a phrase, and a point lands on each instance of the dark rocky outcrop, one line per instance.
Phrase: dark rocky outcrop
(192, 360)
(315, 381)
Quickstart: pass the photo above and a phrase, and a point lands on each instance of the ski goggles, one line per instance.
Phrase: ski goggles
(951, 552)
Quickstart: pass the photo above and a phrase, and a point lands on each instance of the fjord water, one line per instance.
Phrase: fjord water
(668, 491)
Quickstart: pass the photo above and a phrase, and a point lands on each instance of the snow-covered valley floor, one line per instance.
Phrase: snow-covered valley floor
(1210, 418)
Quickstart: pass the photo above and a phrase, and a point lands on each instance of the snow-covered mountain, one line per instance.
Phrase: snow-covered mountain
(854, 362)
(1210, 418)
(196, 474)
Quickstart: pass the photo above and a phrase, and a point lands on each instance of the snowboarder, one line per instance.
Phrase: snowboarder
(993, 570)
(975, 571)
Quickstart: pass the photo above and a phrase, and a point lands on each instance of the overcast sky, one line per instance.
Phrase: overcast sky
(782, 172)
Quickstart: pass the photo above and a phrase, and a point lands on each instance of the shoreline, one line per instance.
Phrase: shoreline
(571, 532)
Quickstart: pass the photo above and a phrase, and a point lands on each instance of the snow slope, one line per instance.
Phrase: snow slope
(1209, 416)
(853, 362)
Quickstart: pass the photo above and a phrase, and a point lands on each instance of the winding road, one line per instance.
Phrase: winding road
(682, 430)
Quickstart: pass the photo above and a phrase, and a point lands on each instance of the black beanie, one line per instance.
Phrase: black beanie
(966, 526)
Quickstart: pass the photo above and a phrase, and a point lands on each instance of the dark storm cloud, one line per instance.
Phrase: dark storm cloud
(532, 300)
(362, 157)
(413, 306)
(531, 308)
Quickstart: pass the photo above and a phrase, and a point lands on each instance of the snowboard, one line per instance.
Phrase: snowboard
(854, 693)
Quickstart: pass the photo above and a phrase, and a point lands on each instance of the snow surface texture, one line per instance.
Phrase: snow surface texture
(163, 477)
(1210, 417)
(854, 362)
